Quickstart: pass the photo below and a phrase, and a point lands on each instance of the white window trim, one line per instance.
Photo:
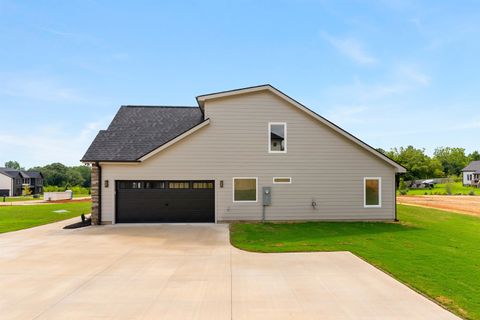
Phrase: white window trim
(290, 182)
(269, 136)
(233, 190)
(379, 205)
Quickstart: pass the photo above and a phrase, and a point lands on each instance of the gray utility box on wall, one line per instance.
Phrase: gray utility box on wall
(267, 196)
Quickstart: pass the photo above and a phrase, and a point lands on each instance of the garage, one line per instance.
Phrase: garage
(151, 201)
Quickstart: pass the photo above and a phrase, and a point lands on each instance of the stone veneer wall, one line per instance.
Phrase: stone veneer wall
(95, 195)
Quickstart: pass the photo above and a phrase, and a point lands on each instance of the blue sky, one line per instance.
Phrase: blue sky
(393, 73)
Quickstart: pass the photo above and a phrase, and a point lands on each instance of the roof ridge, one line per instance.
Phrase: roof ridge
(155, 106)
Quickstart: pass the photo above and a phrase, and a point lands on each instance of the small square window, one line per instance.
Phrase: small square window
(244, 189)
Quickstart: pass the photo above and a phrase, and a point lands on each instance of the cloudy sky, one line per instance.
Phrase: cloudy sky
(393, 73)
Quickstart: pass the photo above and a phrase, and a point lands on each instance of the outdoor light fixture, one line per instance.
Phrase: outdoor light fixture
(106, 184)
(221, 183)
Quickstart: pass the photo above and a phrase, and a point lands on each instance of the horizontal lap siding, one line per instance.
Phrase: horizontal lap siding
(325, 167)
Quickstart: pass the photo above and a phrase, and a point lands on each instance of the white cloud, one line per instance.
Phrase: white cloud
(413, 75)
(351, 48)
(52, 145)
(36, 87)
(348, 114)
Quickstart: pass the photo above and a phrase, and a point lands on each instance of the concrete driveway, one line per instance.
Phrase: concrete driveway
(188, 272)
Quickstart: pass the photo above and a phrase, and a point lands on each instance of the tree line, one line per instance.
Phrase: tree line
(59, 175)
(445, 162)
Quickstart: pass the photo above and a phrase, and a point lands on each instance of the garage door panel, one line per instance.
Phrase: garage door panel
(165, 205)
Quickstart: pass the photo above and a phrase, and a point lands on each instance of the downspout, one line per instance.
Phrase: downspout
(395, 195)
(99, 193)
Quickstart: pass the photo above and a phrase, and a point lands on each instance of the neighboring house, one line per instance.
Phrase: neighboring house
(234, 153)
(12, 182)
(471, 174)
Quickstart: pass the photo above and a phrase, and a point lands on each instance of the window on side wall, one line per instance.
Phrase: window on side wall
(244, 189)
(282, 180)
(277, 137)
(372, 192)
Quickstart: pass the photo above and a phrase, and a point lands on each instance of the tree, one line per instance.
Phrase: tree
(474, 156)
(453, 160)
(13, 165)
(86, 173)
(57, 174)
(54, 174)
(418, 164)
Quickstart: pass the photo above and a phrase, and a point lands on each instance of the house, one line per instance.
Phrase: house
(13, 181)
(246, 154)
(471, 174)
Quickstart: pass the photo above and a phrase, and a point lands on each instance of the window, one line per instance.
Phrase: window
(372, 192)
(130, 185)
(202, 185)
(154, 185)
(277, 137)
(179, 185)
(282, 180)
(245, 189)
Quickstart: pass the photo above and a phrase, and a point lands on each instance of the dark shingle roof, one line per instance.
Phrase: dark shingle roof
(31, 174)
(473, 166)
(12, 173)
(137, 130)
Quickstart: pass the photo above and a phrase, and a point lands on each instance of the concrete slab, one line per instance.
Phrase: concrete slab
(183, 271)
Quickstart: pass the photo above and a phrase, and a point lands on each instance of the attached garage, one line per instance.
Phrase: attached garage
(165, 201)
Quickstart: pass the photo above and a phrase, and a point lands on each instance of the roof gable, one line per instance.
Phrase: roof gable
(267, 87)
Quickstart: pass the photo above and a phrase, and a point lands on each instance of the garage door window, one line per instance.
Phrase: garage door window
(179, 185)
(202, 185)
(154, 185)
(130, 185)
(244, 189)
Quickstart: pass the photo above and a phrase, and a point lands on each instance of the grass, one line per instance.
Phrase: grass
(21, 217)
(433, 251)
(441, 189)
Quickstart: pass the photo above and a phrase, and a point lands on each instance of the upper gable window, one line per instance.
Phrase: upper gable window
(277, 137)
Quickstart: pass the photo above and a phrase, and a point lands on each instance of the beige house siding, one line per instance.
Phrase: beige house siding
(325, 167)
(6, 183)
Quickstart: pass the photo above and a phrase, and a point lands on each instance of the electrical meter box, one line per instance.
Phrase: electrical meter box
(267, 196)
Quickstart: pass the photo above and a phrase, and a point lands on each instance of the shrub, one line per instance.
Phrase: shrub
(471, 193)
(448, 188)
(403, 192)
(26, 190)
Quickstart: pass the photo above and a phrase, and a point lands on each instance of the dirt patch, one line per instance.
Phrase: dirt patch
(460, 204)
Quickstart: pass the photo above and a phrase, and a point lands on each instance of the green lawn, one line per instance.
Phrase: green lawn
(440, 189)
(433, 251)
(21, 217)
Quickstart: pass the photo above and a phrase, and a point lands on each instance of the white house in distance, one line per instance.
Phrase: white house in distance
(246, 154)
(471, 174)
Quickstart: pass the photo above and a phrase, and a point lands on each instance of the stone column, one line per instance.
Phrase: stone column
(95, 195)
